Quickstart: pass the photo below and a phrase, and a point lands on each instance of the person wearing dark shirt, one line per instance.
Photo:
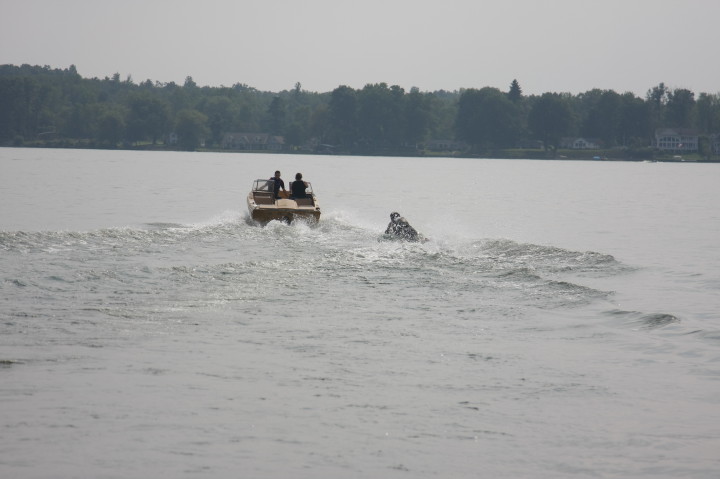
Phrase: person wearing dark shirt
(297, 187)
(278, 183)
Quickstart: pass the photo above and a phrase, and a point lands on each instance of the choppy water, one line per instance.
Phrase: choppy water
(561, 322)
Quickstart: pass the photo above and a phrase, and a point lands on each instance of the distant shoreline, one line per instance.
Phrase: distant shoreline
(501, 154)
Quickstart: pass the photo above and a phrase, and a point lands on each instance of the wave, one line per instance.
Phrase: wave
(147, 234)
(645, 320)
(232, 251)
(505, 257)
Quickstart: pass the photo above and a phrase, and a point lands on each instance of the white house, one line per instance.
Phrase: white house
(715, 143)
(676, 140)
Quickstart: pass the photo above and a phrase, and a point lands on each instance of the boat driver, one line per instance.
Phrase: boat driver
(279, 183)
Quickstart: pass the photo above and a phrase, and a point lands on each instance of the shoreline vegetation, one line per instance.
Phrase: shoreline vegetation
(506, 154)
(44, 107)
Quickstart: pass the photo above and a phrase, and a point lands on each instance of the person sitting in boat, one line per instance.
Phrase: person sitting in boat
(278, 183)
(400, 228)
(298, 187)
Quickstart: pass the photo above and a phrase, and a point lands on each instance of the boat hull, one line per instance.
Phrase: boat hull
(263, 215)
(263, 209)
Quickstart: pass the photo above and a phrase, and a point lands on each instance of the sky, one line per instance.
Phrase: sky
(547, 45)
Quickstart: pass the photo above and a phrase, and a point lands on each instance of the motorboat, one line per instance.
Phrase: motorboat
(264, 207)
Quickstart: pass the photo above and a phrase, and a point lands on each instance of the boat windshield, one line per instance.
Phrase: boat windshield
(267, 185)
(263, 185)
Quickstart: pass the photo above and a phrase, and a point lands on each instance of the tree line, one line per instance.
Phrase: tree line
(42, 105)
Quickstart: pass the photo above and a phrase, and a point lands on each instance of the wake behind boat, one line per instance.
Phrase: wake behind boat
(264, 207)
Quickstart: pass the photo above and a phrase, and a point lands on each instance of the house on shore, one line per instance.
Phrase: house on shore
(579, 143)
(253, 142)
(715, 144)
(676, 140)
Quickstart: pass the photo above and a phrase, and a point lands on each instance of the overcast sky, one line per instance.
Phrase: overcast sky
(547, 45)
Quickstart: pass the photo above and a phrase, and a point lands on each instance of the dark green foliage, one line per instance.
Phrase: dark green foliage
(44, 106)
(487, 119)
(220, 112)
(515, 93)
(381, 116)
(602, 118)
(191, 128)
(148, 117)
(680, 108)
(417, 116)
(708, 113)
(635, 125)
(277, 116)
(551, 118)
(110, 128)
(343, 117)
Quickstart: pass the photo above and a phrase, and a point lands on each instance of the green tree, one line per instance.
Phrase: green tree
(551, 118)
(515, 93)
(110, 127)
(249, 109)
(12, 108)
(657, 98)
(635, 121)
(21, 104)
(81, 121)
(179, 98)
(38, 102)
(658, 94)
(380, 115)
(343, 116)
(486, 118)
(191, 128)
(296, 131)
(417, 117)
(277, 116)
(680, 108)
(148, 117)
(603, 118)
(189, 83)
(221, 115)
(708, 113)
(319, 124)
(443, 108)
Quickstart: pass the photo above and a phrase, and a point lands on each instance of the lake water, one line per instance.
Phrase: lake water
(563, 320)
